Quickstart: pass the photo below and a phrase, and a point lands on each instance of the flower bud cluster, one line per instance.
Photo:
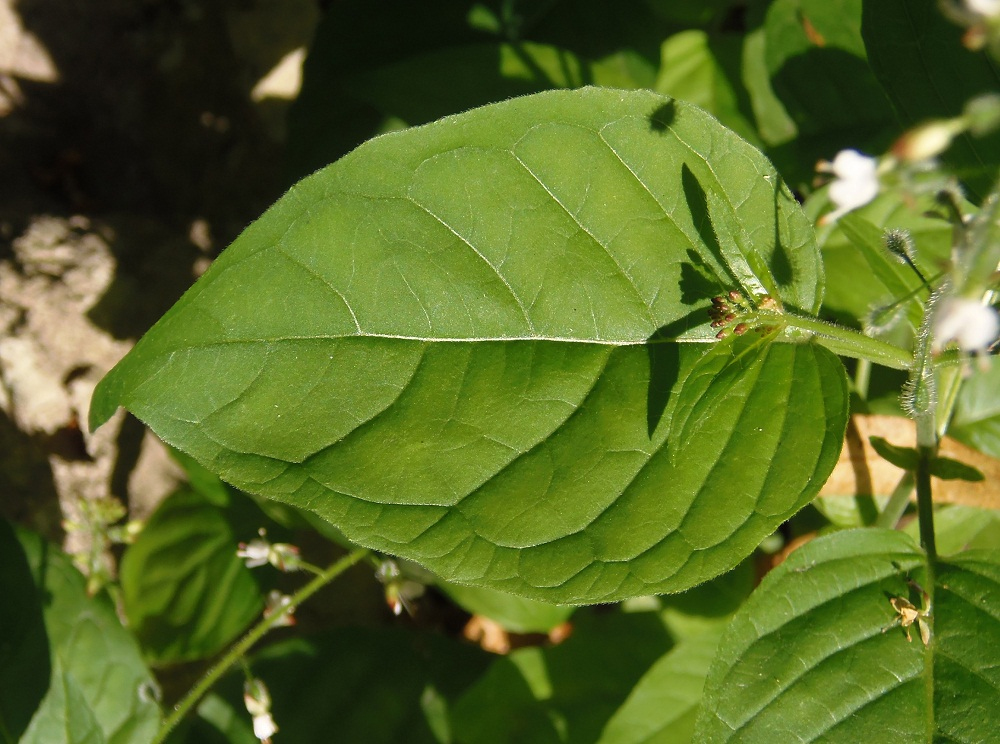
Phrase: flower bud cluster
(732, 308)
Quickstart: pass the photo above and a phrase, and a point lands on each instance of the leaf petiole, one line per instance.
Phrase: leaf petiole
(845, 341)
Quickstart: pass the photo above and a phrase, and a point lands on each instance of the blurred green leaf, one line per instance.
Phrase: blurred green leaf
(566, 693)
(919, 59)
(513, 613)
(905, 458)
(216, 721)
(820, 96)
(977, 412)
(456, 344)
(663, 706)
(946, 468)
(703, 69)
(855, 241)
(423, 88)
(100, 691)
(707, 12)
(899, 282)
(378, 68)
(817, 653)
(186, 593)
(958, 527)
(24, 647)
(352, 685)
(850, 511)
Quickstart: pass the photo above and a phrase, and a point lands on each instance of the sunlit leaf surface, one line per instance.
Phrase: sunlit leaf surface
(462, 344)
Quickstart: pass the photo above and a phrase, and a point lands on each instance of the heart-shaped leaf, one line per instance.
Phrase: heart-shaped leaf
(829, 647)
(460, 345)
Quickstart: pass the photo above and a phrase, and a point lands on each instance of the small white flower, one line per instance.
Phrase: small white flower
(277, 601)
(985, 8)
(258, 702)
(259, 551)
(970, 324)
(855, 182)
(264, 727)
(254, 553)
(399, 591)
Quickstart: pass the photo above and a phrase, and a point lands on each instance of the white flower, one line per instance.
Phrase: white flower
(259, 551)
(255, 552)
(970, 324)
(258, 702)
(399, 591)
(855, 182)
(985, 8)
(264, 727)
(277, 601)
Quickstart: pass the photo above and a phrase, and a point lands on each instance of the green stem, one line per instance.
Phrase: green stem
(846, 341)
(241, 647)
(862, 378)
(926, 451)
(922, 400)
(896, 505)
(949, 382)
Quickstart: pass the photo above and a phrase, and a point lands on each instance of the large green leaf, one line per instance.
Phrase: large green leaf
(458, 345)
(186, 592)
(99, 691)
(817, 653)
(919, 58)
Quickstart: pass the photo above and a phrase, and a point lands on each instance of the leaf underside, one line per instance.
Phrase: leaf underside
(463, 344)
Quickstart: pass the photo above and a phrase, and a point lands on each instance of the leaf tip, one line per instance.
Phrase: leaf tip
(103, 404)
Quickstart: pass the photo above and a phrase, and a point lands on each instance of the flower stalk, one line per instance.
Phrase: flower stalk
(241, 647)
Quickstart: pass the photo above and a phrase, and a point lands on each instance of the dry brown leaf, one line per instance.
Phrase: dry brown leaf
(861, 471)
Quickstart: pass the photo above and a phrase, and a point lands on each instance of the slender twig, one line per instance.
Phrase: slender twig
(241, 647)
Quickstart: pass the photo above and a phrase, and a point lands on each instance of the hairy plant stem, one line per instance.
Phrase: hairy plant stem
(846, 341)
(241, 647)
(920, 396)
